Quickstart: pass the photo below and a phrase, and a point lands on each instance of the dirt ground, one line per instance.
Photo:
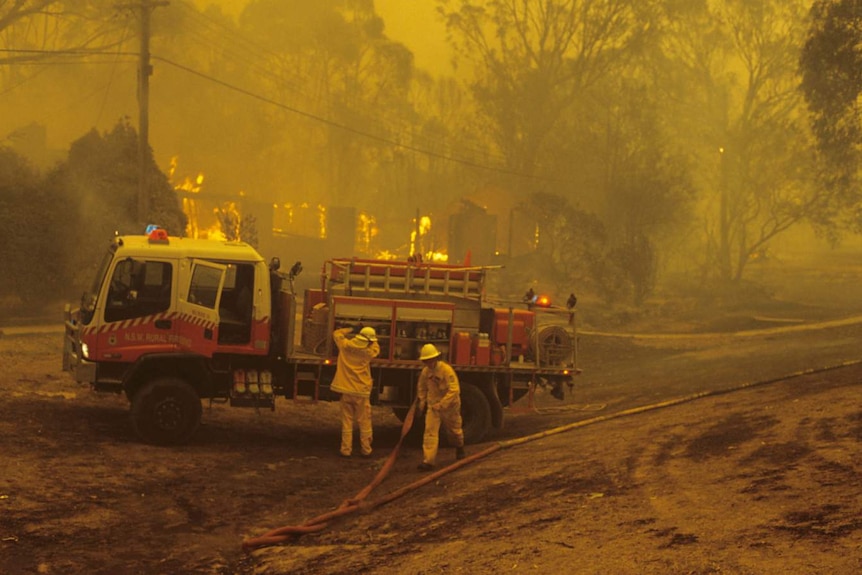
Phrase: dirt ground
(761, 480)
(736, 453)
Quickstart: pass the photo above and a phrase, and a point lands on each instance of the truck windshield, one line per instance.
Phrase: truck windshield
(89, 298)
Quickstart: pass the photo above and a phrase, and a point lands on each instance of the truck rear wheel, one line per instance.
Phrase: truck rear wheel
(475, 414)
(166, 411)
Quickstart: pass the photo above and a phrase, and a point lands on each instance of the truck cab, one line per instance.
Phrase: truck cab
(156, 294)
(161, 307)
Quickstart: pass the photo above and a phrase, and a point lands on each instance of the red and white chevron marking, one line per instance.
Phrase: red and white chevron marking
(148, 319)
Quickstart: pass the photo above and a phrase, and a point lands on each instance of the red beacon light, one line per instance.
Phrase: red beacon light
(543, 301)
(155, 234)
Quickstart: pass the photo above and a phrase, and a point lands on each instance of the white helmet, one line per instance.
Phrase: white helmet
(368, 334)
(428, 352)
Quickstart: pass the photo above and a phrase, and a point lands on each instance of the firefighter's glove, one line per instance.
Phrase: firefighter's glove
(420, 405)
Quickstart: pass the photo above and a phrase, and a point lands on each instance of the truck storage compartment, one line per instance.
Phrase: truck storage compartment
(481, 349)
(461, 345)
(496, 322)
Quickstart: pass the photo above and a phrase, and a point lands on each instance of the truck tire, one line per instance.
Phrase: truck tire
(475, 414)
(166, 411)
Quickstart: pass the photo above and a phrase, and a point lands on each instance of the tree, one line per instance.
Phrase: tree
(32, 240)
(741, 114)
(236, 226)
(51, 227)
(99, 178)
(533, 60)
(332, 60)
(33, 30)
(648, 192)
(570, 245)
(831, 66)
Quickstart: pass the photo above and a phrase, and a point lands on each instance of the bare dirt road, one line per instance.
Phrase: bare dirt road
(762, 479)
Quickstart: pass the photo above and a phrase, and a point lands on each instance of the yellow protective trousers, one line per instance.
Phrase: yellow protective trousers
(451, 422)
(355, 408)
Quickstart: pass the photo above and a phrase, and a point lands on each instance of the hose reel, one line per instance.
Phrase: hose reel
(552, 346)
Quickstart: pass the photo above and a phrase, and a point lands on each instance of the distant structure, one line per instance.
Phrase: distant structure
(472, 230)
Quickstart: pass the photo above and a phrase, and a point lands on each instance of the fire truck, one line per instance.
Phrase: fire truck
(170, 322)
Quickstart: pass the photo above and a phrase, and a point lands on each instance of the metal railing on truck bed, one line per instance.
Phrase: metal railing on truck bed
(364, 277)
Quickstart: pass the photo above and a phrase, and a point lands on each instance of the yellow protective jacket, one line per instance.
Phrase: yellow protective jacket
(353, 371)
(439, 387)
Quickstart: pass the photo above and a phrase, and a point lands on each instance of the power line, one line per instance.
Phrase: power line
(253, 52)
(345, 127)
(41, 53)
(231, 44)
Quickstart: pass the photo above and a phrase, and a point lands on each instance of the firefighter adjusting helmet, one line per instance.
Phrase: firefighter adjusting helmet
(428, 352)
(368, 334)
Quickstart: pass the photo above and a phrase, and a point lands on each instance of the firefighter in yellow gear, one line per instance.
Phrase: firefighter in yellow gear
(438, 390)
(353, 381)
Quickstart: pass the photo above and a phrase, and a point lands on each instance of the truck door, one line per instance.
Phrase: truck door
(137, 316)
(198, 317)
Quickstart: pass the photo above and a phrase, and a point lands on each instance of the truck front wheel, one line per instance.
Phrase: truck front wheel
(475, 414)
(166, 411)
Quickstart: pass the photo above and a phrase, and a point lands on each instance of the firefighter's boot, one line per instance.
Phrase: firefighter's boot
(459, 453)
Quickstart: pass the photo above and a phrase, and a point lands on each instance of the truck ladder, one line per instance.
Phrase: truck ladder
(395, 277)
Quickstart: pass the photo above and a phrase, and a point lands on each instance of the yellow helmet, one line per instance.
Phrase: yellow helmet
(367, 333)
(428, 352)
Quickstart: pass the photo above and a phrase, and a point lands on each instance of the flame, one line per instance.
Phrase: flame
(192, 208)
(321, 219)
(386, 255)
(366, 231)
(420, 236)
(191, 186)
(228, 223)
(424, 225)
(298, 218)
(301, 220)
(214, 232)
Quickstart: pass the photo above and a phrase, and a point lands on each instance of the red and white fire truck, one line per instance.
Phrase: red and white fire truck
(172, 321)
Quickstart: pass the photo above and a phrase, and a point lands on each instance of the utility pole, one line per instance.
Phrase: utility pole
(145, 70)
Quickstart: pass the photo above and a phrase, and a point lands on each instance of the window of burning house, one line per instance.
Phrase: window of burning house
(138, 289)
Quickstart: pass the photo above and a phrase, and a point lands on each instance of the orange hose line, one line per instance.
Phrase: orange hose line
(356, 503)
(350, 505)
(433, 476)
(669, 403)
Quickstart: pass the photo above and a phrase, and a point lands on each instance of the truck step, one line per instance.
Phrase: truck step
(306, 387)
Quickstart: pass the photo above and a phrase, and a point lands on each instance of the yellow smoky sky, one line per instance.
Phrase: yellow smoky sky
(414, 23)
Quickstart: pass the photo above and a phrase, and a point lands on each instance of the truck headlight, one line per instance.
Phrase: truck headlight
(85, 351)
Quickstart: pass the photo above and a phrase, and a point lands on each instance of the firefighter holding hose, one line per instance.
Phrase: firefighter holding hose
(438, 390)
(353, 381)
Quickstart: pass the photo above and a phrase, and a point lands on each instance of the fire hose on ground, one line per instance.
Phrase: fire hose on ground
(357, 503)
